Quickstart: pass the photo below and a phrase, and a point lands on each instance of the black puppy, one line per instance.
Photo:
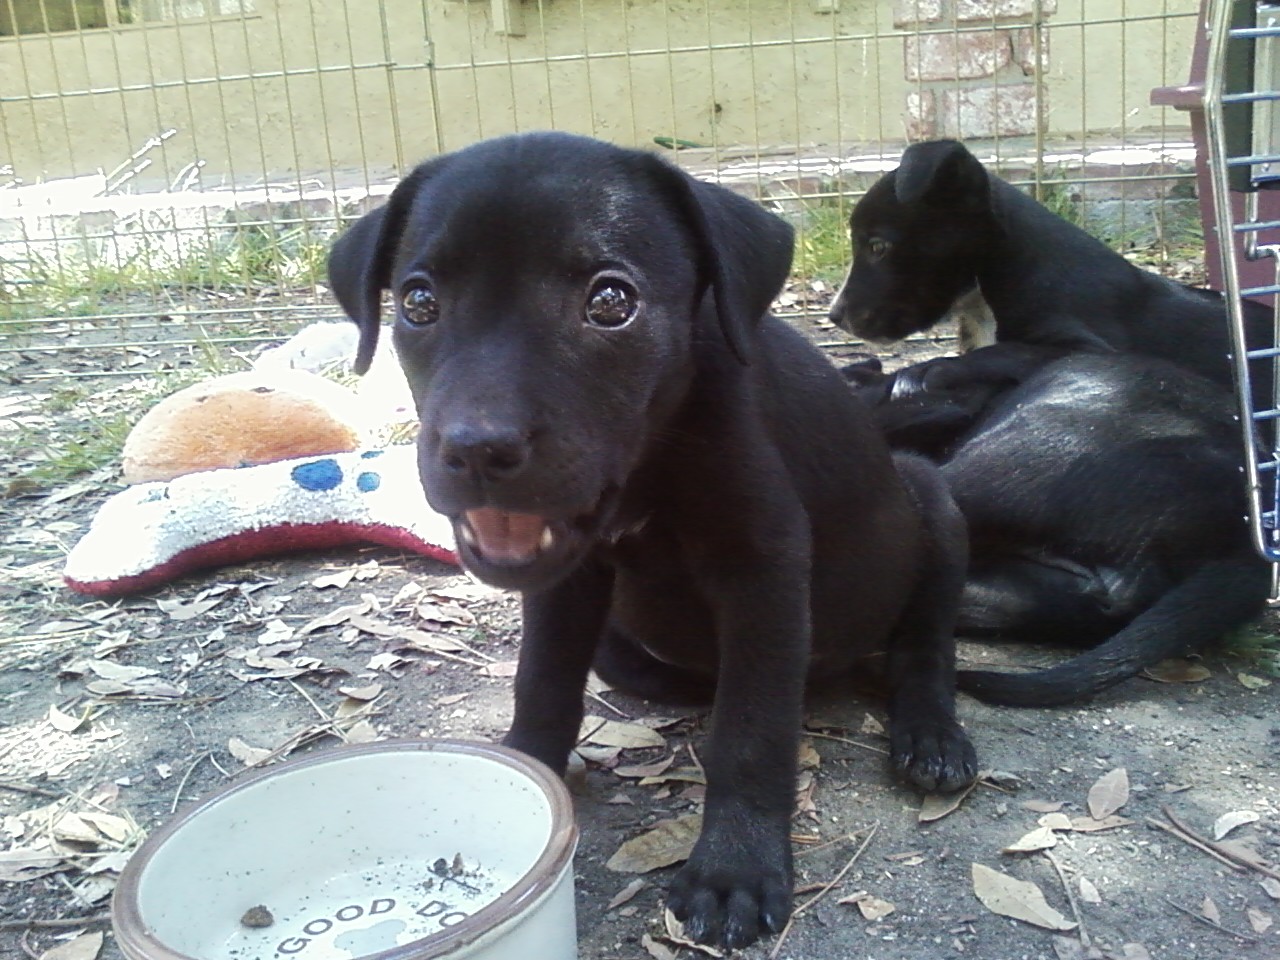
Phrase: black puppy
(1104, 501)
(926, 233)
(684, 491)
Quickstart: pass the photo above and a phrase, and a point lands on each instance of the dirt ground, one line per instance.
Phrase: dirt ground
(113, 715)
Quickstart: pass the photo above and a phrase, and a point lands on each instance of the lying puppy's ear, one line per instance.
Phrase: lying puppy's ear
(940, 172)
(744, 252)
(361, 260)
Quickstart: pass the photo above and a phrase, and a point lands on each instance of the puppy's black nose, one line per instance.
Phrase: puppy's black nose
(487, 452)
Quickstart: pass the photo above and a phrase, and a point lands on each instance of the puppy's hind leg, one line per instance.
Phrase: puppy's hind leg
(927, 745)
(625, 665)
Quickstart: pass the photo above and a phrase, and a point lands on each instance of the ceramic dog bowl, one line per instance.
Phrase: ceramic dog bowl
(400, 850)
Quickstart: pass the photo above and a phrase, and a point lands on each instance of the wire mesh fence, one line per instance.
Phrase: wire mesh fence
(175, 169)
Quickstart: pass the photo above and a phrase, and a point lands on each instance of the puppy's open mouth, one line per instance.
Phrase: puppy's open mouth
(505, 538)
(522, 551)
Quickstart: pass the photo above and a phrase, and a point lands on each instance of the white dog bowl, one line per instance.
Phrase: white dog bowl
(400, 850)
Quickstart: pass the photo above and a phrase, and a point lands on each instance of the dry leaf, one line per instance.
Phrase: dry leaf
(110, 826)
(29, 863)
(1088, 892)
(1272, 887)
(1055, 821)
(178, 609)
(938, 805)
(626, 893)
(87, 946)
(388, 662)
(1109, 794)
(339, 579)
(645, 769)
(71, 827)
(64, 721)
(1250, 682)
(1260, 921)
(676, 934)
(808, 757)
(249, 756)
(873, 908)
(872, 726)
(597, 755)
(694, 775)
(121, 673)
(1134, 951)
(655, 949)
(1042, 806)
(499, 668)
(360, 732)
(615, 733)
(369, 692)
(1017, 899)
(334, 617)
(1209, 910)
(1041, 838)
(666, 843)
(1177, 670)
(1229, 821)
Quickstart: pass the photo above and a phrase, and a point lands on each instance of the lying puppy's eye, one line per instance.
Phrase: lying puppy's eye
(420, 306)
(611, 304)
(878, 247)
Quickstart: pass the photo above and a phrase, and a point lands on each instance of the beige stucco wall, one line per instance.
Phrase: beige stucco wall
(304, 87)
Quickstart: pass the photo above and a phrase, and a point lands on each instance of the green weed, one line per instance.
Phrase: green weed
(822, 250)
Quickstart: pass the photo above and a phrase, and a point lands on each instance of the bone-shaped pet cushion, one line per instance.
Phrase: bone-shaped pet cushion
(152, 533)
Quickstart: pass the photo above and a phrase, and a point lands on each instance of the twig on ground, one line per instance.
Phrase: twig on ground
(1071, 898)
(177, 797)
(314, 706)
(1218, 848)
(1192, 841)
(827, 888)
(856, 834)
(1201, 918)
(27, 788)
(852, 743)
(53, 923)
(25, 943)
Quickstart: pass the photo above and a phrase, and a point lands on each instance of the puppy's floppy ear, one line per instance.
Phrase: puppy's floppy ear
(744, 252)
(940, 172)
(361, 260)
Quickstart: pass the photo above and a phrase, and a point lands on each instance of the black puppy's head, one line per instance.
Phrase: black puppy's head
(554, 297)
(918, 235)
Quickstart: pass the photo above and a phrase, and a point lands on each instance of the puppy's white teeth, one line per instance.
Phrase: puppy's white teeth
(467, 534)
(547, 540)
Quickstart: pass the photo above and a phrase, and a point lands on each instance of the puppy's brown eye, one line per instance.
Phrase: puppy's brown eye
(878, 247)
(611, 304)
(420, 306)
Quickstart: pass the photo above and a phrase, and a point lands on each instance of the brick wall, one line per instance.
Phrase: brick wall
(972, 66)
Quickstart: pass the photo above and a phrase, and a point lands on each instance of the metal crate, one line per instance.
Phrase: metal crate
(1242, 113)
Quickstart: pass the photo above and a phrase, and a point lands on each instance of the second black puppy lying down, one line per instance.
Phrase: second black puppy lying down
(940, 224)
(1104, 501)
(574, 320)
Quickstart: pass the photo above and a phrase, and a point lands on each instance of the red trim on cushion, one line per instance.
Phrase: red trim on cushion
(254, 544)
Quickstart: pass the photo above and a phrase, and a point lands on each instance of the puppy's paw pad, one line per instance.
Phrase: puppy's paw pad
(934, 757)
(730, 905)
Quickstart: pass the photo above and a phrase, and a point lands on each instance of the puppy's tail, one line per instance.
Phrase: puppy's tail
(1219, 597)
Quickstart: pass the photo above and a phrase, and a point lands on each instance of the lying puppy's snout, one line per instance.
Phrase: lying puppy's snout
(488, 453)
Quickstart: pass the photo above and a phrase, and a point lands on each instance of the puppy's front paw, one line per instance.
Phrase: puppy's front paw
(733, 892)
(932, 752)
